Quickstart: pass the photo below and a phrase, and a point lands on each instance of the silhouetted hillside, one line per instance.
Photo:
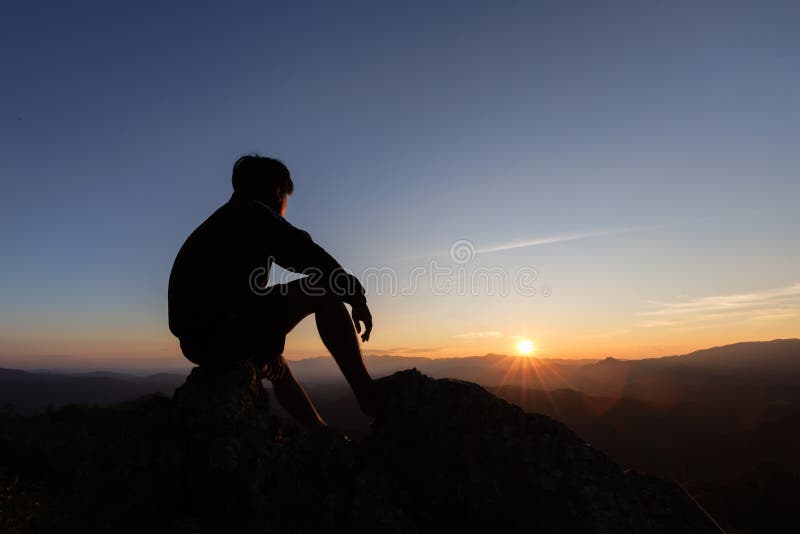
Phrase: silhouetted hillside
(32, 392)
(779, 355)
(444, 456)
(726, 431)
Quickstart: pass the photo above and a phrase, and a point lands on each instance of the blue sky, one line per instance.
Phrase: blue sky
(664, 134)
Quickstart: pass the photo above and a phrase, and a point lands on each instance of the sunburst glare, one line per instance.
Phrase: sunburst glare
(525, 347)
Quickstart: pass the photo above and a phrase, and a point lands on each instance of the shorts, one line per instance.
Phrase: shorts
(256, 330)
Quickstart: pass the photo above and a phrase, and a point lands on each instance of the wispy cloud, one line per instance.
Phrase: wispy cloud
(656, 323)
(735, 301)
(572, 236)
(545, 240)
(775, 316)
(576, 236)
(472, 335)
(619, 332)
(405, 350)
(769, 304)
(558, 238)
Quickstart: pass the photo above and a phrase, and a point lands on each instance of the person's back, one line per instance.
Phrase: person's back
(200, 280)
(210, 283)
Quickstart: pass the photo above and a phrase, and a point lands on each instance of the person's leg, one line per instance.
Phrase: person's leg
(265, 329)
(337, 332)
(293, 397)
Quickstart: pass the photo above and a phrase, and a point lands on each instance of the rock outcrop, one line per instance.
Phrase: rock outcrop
(444, 456)
(223, 423)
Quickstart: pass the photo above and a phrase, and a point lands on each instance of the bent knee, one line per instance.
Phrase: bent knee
(323, 301)
(304, 301)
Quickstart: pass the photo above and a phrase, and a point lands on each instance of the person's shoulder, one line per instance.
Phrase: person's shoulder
(217, 218)
(244, 204)
(256, 215)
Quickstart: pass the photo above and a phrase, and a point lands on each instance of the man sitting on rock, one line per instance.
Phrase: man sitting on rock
(222, 309)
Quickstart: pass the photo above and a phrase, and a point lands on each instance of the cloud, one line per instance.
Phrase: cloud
(732, 302)
(559, 238)
(575, 236)
(620, 332)
(774, 316)
(405, 350)
(768, 304)
(472, 335)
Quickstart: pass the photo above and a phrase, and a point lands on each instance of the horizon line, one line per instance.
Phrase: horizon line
(189, 366)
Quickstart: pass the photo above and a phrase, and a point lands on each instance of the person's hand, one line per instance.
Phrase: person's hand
(361, 314)
(273, 367)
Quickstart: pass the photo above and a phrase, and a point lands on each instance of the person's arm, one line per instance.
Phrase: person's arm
(294, 249)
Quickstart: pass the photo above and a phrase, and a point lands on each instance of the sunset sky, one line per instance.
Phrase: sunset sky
(642, 158)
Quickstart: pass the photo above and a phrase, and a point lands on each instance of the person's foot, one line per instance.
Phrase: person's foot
(319, 423)
(371, 400)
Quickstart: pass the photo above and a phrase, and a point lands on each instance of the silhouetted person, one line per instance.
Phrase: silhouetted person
(221, 309)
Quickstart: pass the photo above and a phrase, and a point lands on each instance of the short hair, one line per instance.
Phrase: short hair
(258, 177)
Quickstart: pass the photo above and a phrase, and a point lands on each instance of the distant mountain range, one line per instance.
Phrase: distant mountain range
(769, 369)
(701, 394)
(27, 392)
(777, 360)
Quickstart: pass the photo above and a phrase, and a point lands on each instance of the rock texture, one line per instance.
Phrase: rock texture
(224, 428)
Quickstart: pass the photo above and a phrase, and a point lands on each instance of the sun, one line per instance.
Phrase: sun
(525, 347)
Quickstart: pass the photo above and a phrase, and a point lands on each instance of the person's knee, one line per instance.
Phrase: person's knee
(307, 299)
(326, 301)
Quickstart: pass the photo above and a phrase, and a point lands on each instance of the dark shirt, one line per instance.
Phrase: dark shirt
(211, 283)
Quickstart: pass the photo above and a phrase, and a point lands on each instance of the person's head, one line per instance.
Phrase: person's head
(263, 179)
